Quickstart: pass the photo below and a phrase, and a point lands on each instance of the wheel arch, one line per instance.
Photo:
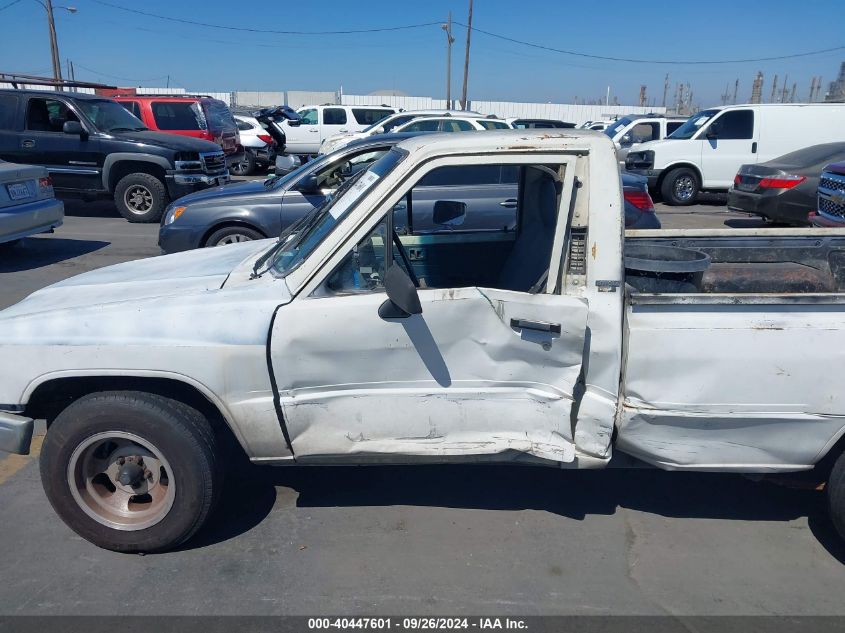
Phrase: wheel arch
(223, 224)
(669, 168)
(118, 165)
(49, 395)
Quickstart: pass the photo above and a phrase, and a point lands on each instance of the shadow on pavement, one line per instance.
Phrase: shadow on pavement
(76, 207)
(251, 494)
(36, 252)
(751, 223)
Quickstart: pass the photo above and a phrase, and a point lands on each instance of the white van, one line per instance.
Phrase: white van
(706, 152)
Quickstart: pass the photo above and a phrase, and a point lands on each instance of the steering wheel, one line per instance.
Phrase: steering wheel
(398, 243)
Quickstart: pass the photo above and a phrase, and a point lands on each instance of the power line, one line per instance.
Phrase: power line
(649, 61)
(6, 6)
(249, 30)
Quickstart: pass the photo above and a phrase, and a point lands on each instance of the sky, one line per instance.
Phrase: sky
(113, 46)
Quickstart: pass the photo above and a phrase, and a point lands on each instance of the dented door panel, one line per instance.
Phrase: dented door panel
(457, 380)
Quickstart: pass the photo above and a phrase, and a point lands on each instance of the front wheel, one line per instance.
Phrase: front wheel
(140, 197)
(836, 495)
(233, 235)
(680, 187)
(131, 471)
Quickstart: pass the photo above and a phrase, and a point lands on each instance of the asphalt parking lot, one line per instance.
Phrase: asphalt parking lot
(422, 540)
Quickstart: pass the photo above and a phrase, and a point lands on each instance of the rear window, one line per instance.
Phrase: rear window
(218, 114)
(174, 115)
(8, 108)
(368, 117)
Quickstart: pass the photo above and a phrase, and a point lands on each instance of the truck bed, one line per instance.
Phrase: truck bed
(745, 372)
(762, 261)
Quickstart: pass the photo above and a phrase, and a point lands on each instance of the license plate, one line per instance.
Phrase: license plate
(18, 191)
(747, 186)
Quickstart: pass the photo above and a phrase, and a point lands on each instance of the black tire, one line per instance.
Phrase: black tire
(680, 187)
(141, 197)
(836, 495)
(232, 235)
(180, 434)
(246, 166)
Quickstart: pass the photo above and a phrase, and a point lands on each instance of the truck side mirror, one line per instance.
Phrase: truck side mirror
(402, 297)
(73, 127)
(449, 213)
(294, 122)
(626, 139)
(712, 132)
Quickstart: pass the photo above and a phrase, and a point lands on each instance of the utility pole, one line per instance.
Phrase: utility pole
(774, 89)
(54, 45)
(812, 89)
(466, 59)
(794, 88)
(665, 89)
(643, 98)
(736, 89)
(449, 41)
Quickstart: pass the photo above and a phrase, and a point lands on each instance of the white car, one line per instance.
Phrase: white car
(387, 124)
(303, 137)
(454, 124)
(259, 146)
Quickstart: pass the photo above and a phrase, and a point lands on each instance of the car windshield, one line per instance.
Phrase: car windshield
(109, 116)
(390, 122)
(613, 129)
(293, 248)
(693, 124)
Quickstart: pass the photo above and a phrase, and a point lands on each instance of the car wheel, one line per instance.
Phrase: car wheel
(131, 471)
(140, 197)
(680, 187)
(836, 494)
(245, 166)
(233, 235)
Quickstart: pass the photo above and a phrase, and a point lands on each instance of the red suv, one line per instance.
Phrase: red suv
(200, 117)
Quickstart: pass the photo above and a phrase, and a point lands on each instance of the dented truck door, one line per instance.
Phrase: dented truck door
(483, 372)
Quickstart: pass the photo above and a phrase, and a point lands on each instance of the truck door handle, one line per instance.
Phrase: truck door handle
(27, 143)
(343, 130)
(313, 129)
(510, 203)
(754, 147)
(537, 326)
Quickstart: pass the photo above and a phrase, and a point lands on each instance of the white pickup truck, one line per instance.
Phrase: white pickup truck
(356, 338)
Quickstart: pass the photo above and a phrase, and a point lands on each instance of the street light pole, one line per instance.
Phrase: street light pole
(466, 60)
(449, 41)
(54, 45)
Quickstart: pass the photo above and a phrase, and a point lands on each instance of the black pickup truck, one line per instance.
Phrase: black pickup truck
(94, 148)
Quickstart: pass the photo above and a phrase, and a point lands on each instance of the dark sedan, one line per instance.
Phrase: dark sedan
(783, 189)
(257, 210)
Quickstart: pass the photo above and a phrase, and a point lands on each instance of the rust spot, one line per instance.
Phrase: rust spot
(593, 250)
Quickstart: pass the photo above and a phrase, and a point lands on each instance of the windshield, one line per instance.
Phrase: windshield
(109, 116)
(616, 127)
(693, 124)
(390, 122)
(294, 248)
